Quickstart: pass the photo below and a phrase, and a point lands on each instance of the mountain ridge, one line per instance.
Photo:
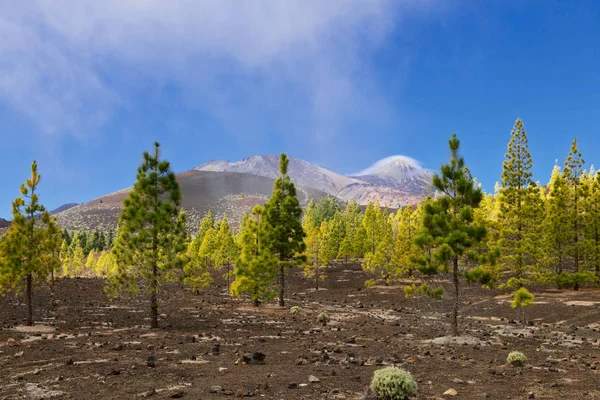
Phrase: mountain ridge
(394, 181)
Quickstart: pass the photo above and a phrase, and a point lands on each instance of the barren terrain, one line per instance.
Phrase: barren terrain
(86, 347)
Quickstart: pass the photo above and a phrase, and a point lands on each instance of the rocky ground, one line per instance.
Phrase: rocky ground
(212, 347)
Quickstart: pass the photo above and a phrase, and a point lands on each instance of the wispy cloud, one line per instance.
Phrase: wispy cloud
(70, 65)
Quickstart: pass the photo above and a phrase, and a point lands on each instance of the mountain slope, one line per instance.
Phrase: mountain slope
(220, 192)
(62, 208)
(302, 172)
(395, 181)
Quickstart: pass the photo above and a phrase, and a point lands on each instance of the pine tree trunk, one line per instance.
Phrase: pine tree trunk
(29, 321)
(228, 284)
(317, 280)
(454, 315)
(281, 286)
(154, 300)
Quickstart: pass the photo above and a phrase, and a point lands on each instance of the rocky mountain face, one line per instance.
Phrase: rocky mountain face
(302, 172)
(230, 193)
(395, 181)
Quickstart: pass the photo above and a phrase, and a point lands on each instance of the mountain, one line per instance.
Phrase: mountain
(62, 208)
(230, 193)
(302, 172)
(4, 224)
(398, 172)
(395, 181)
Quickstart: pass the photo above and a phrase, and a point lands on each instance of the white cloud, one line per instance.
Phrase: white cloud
(70, 64)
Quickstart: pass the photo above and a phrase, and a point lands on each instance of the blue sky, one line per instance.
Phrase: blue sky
(86, 86)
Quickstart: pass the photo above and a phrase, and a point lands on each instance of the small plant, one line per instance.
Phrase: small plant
(295, 310)
(369, 283)
(516, 359)
(523, 298)
(323, 318)
(393, 383)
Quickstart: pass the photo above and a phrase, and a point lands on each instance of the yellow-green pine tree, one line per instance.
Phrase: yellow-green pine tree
(29, 243)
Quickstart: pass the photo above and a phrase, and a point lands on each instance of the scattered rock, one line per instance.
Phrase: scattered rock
(292, 385)
(313, 379)
(450, 392)
(215, 389)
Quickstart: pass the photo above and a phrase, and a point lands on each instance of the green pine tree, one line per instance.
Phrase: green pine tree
(520, 213)
(449, 223)
(573, 173)
(226, 252)
(556, 236)
(256, 268)
(149, 245)
(282, 217)
(30, 245)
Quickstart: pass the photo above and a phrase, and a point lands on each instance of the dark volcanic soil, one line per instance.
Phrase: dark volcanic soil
(86, 347)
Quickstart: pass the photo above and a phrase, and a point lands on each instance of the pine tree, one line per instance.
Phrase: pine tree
(100, 266)
(65, 258)
(77, 260)
(226, 251)
(149, 245)
(314, 250)
(110, 238)
(308, 219)
(592, 222)
(90, 263)
(353, 243)
(573, 172)
(256, 268)
(556, 235)
(282, 214)
(449, 223)
(406, 252)
(30, 243)
(520, 210)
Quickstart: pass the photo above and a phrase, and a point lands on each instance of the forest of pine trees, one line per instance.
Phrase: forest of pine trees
(525, 235)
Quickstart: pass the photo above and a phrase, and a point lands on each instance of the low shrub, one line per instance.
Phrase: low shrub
(323, 318)
(516, 359)
(393, 383)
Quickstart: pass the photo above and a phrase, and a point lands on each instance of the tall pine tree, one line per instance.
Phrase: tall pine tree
(449, 223)
(282, 216)
(149, 245)
(520, 213)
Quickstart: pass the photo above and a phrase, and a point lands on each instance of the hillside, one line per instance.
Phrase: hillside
(228, 193)
(395, 181)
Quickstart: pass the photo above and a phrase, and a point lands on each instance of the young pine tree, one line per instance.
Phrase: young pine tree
(256, 267)
(314, 252)
(29, 244)
(521, 210)
(449, 223)
(90, 263)
(149, 245)
(282, 217)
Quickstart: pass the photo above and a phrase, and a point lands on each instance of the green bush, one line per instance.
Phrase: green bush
(393, 383)
(516, 359)
(323, 318)
(566, 280)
